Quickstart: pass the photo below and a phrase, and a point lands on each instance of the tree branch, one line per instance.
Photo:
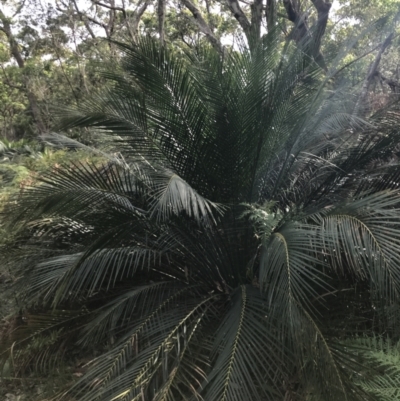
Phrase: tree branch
(323, 9)
(240, 17)
(204, 28)
(132, 26)
(393, 84)
(19, 8)
(111, 7)
(6, 28)
(212, 27)
(83, 18)
(104, 26)
(372, 72)
(137, 15)
(88, 18)
(302, 31)
(111, 19)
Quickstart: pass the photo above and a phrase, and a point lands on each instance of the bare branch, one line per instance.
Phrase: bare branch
(203, 26)
(83, 18)
(140, 11)
(96, 22)
(111, 7)
(19, 8)
(131, 20)
(372, 72)
(137, 15)
(240, 17)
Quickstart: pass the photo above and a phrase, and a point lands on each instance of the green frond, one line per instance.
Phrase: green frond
(129, 369)
(285, 257)
(172, 195)
(363, 236)
(70, 191)
(242, 369)
(108, 317)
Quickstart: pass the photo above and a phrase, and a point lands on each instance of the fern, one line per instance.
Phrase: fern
(384, 358)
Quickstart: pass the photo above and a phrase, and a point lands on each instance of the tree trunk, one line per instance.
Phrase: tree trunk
(33, 104)
(301, 31)
(256, 18)
(270, 14)
(161, 20)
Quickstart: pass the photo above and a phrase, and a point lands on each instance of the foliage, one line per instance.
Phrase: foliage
(21, 162)
(250, 230)
(385, 353)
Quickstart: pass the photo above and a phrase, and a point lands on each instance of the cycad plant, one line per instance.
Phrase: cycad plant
(250, 228)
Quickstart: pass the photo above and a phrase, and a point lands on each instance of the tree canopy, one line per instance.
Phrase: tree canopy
(49, 53)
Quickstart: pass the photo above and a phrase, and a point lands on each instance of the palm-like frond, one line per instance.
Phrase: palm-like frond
(171, 194)
(241, 369)
(167, 325)
(364, 230)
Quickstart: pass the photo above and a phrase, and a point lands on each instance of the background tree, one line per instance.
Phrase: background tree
(15, 51)
(58, 46)
(355, 19)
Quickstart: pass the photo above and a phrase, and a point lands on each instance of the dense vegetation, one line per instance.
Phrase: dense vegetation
(223, 221)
